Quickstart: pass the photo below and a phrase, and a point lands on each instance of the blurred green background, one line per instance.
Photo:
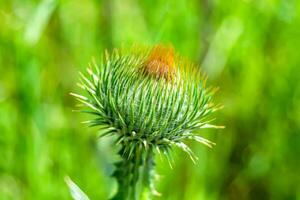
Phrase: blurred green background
(249, 48)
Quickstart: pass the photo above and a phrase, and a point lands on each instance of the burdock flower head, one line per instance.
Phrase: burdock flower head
(151, 100)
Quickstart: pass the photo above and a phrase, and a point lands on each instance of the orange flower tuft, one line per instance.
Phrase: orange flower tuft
(160, 62)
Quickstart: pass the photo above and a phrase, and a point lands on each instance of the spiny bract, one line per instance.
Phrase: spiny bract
(149, 98)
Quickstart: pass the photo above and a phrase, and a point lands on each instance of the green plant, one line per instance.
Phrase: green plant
(151, 100)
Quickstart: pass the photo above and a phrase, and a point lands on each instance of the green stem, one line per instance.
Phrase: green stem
(148, 177)
(134, 175)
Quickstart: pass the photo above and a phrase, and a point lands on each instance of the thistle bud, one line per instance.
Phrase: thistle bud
(151, 100)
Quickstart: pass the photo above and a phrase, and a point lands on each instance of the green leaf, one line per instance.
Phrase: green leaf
(76, 192)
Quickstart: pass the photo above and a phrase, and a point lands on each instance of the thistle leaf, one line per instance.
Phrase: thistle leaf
(76, 192)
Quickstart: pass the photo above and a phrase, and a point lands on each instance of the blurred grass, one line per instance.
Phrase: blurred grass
(249, 48)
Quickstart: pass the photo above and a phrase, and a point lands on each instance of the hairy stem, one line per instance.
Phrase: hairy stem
(134, 174)
(148, 177)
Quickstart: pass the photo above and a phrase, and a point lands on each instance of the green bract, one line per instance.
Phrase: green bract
(147, 111)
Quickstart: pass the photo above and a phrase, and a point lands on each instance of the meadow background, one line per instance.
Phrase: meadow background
(249, 48)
